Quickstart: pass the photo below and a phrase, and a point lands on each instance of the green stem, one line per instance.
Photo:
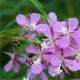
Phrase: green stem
(39, 6)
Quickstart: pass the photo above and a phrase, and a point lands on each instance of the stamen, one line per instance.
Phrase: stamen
(64, 30)
(38, 61)
(78, 57)
(33, 26)
(28, 76)
(58, 70)
(46, 45)
(78, 54)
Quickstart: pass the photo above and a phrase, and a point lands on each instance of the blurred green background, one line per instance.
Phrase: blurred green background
(8, 11)
(64, 9)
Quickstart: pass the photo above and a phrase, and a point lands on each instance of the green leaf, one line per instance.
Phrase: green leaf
(12, 75)
(6, 36)
(40, 7)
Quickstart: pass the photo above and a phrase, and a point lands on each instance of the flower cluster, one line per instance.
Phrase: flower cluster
(58, 52)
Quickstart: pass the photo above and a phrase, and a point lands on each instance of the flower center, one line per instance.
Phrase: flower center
(37, 61)
(46, 44)
(64, 30)
(33, 26)
(77, 52)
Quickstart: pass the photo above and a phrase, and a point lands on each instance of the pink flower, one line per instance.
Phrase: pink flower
(39, 61)
(28, 23)
(14, 62)
(27, 35)
(65, 59)
(42, 75)
(68, 31)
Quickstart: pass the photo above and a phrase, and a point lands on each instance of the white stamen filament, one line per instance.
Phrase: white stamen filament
(77, 52)
(64, 30)
(28, 76)
(38, 61)
(78, 57)
(46, 45)
(58, 70)
(33, 26)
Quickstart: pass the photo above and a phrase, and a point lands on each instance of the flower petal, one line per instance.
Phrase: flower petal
(44, 28)
(35, 17)
(63, 42)
(50, 48)
(30, 36)
(52, 16)
(23, 59)
(62, 76)
(52, 19)
(68, 52)
(36, 68)
(54, 60)
(73, 24)
(31, 49)
(43, 76)
(76, 36)
(21, 19)
(73, 65)
(8, 66)
(51, 70)
(16, 66)
(58, 26)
